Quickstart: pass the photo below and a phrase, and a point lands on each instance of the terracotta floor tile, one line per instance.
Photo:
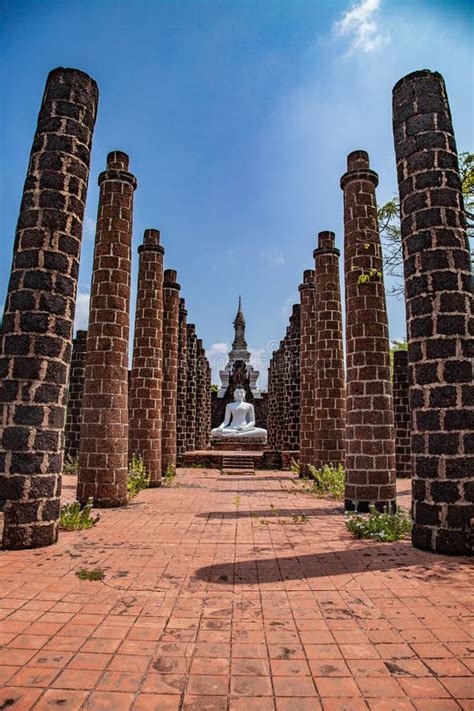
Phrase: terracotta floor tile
(158, 683)
(459, 687)
(101, 646)
(293, 686)
(200, 684)
(89, 660)
(156, 702)
(34, 676)
(342, 686)
(289, 667)
(63, 699)
(322, 651)
(378, 687)
(258, 704)
(282, 651)
(435, 705)
(301, 703)
(77, 679)
(208, 703)
(249, 651)
(120, 681)
(331, 667)
(47, 658)
(344, 704)
(108, 701)
(16, 697)
(251, 686)
(30, 641)
(448, 667)
(250, 667)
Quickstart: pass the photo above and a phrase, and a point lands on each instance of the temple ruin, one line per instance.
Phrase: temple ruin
(412, 418)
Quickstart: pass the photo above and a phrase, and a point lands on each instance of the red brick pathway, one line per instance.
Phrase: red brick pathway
(216, 599)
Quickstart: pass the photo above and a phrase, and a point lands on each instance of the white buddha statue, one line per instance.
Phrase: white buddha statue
(239, 420)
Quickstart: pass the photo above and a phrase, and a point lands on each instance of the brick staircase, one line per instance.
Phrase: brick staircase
(238, 463)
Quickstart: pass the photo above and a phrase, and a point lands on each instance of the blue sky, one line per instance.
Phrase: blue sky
(238, 116)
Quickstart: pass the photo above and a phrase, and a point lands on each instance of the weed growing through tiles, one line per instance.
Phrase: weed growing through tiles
(295, 467)
(71, 465)
(327, 481)
(75, 518)
(380, 526)
(170, 475)
(95, 574)
(138, 477)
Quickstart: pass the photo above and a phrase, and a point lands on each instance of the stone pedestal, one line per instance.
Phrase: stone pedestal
(238, 444)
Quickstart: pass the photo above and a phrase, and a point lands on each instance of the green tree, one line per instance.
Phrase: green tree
(389, 224)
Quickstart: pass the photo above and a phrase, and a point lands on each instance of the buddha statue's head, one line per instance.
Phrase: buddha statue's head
(239, 394)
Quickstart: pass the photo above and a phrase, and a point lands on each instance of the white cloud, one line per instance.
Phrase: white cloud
(89, 228)
(285, 308)
(217, 355)
(273, 257)
(359, 24)
(81, 319)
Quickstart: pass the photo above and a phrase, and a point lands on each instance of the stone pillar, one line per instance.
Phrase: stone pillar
(370, 444)
(72, 432)
(208, 404)
(200, 395)
(181, 409)
(291, 432)
(330, 391)
(191, 389)
(279, 397)
(170, 367)
(146, 375)
(103, 458)
(271, 424)
(307, 372)
(36, 331)
(438, 292)
(401, 411)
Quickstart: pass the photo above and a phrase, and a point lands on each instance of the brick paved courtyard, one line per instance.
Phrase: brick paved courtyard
(216, 597)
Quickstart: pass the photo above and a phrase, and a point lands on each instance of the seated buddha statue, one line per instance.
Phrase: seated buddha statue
(239, 420)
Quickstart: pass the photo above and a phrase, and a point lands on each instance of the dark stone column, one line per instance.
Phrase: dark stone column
(191, 389)
(291, 432)
(271, 423)
(103, 458)
(146, 375)
(201, 400)
(279, 397)
(72, 432)
(170, 367)
(439, 305)
(330, 391)
(181, 411)
(370, 453)
(401, 411)
(36, 332)
(307, 372)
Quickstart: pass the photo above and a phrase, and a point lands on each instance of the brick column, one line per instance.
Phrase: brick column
(181, 410)
(401, 411)
(438, 292)
(146, 375)
(370, 453)
(72, 432)
(103, 458)
(271, 424)
(170, 367)
(36, 331)
(307, 372)
(208, 405)
(200, 396)
(191, 389)
(279, 397)
(330, 391)
(291, 432)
